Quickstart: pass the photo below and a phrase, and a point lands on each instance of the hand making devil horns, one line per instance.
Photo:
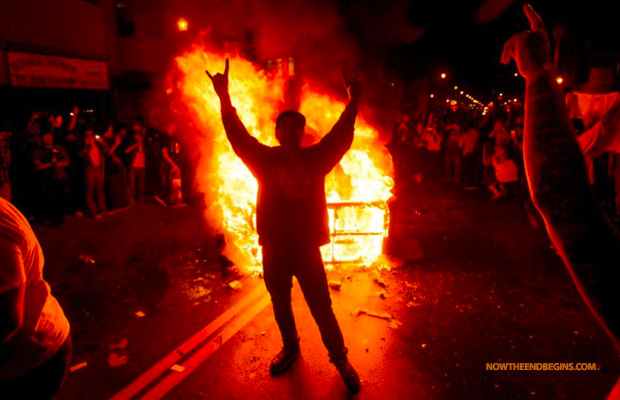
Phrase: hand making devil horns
(220, 81)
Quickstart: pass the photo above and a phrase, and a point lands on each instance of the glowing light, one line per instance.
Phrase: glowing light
(447, 100)
(456, 88)
(182, 24)
(443, 76)
(559, 80)
(516, 74)
(461, 92)
(432, 95)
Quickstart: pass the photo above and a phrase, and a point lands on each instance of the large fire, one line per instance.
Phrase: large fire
(357, 189)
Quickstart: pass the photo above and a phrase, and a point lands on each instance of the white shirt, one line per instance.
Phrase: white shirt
(45, 327)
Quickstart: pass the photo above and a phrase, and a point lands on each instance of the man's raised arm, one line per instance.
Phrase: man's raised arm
(337, 142)
(587, 241)
(244, 145)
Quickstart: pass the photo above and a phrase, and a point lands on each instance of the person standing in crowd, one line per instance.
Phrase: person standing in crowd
(452, 156)
(50, 163)
(137, 165)
(399, 148)
(35, 340)
(115, 174)
(74, 142)
(499, 132)
(5, 164)
(431, 143)
(468, 144)
(94, 173)
(505, 168)
(170, 163)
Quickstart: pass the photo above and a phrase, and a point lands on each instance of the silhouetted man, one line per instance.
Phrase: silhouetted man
(292, 220)
(586, 239)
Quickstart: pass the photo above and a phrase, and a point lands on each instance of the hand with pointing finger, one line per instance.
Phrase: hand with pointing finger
(530, 49)
(353, 86)
(220, 81)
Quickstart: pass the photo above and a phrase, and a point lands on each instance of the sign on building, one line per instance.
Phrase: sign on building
(39, 70)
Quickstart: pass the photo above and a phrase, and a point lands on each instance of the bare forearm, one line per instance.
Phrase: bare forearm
(553, 159)
(347, 118)
(43, 166)
(131, 148)
(557, 175)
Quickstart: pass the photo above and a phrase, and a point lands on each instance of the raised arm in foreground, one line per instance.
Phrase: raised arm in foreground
(587, 241)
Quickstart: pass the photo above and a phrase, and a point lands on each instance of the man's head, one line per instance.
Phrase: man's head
(290, 128)
(47, 139)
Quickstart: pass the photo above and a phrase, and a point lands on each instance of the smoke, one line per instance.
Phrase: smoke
(322, 36)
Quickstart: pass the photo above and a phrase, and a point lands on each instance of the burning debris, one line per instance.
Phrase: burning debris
(235, 285)
(335, 285)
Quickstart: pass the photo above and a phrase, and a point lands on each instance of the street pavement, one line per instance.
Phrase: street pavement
(483, 287)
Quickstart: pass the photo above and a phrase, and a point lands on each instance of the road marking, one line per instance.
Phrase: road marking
(172, 379)
(257, 297)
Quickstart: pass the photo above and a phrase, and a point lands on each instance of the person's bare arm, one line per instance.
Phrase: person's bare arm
(117, 142)
(245, 146)
(169, 160)
(73, 120)
(332, 147)
(38, 165)
(131, 148)
(587, 241)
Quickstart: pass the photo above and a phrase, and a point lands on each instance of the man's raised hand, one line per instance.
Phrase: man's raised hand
(353, 86)
(530, 49)
(220, 81)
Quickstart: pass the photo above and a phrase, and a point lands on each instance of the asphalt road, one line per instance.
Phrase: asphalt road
(488, 289)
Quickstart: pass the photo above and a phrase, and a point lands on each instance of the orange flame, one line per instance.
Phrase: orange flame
(357, 189)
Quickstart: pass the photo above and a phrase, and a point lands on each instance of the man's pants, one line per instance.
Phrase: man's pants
(280, 265)
(44, 381)
(94, 185)
(136, 174)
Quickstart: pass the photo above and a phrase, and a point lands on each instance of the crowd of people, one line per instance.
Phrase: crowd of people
(460, 147)
(479, 151)
(51, 167)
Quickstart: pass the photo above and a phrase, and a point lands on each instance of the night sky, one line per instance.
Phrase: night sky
(456, 41)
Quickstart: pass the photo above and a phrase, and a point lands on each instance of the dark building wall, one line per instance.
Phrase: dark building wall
(70, 28)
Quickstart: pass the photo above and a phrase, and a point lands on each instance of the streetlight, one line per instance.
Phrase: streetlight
(182, 24)
(443, 76)
(559, 80)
